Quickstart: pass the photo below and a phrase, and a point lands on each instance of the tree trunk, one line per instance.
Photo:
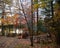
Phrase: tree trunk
(2, 30)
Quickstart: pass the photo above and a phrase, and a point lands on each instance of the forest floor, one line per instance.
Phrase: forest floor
(13, 42)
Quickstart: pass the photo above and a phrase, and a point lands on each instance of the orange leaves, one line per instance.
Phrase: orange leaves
(3, 21)
(15, 20)
(16, 15)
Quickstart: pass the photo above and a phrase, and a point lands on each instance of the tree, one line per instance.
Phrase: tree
(54, 22)
(4, 2)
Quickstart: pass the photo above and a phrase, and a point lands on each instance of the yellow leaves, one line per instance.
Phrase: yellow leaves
(45, 0)
(42, 5)
(35, 6)
(56, 6)
(7, 1)
(35, 1)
